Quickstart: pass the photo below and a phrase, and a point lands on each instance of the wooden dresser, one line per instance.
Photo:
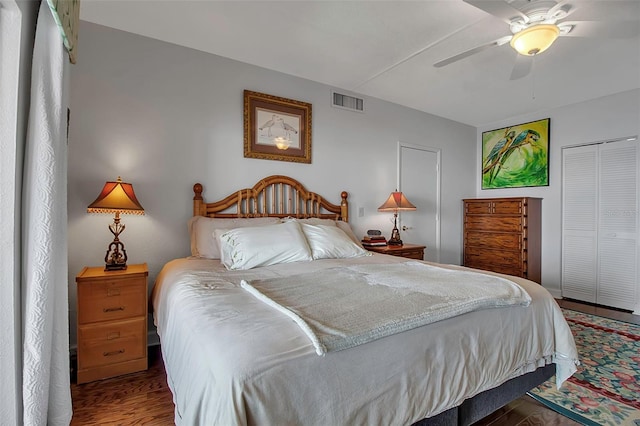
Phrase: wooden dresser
(503, 235)
(112, 322)
(410, 251)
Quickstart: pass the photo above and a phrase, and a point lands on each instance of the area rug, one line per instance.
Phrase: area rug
(606, 388)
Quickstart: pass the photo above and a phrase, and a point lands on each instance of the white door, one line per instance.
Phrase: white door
(419, 180)
(580, 222)
(600, 224)
(618, 225)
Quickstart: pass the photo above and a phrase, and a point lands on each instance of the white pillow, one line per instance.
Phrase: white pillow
(201, 228)
(329, 222)
(347, 230)
(312, 221)
(246, 248)
(331, 242)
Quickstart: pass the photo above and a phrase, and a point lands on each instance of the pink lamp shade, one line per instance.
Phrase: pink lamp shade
(396, 201)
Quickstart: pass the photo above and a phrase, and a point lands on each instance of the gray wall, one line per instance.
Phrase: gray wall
(164, 117)
(607, 118)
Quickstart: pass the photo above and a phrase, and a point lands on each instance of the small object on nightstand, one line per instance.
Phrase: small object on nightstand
(112, 322)
(374, 238)
(410, 251)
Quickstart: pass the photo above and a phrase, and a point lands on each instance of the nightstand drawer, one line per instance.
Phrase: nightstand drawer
(113, 342)
(410, 251)
(410, 254)
(104, 300)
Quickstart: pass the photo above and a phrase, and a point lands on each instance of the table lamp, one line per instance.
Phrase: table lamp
(116, 197)
(396, 201)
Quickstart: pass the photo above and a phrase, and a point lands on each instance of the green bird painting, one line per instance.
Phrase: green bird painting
(516, 156)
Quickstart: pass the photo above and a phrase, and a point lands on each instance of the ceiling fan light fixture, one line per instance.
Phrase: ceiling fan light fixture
(535, 39)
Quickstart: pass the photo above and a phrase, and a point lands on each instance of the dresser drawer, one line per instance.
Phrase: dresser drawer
(478, 207)
(113, 342)
(501, 207)
(508, 207)
(104, 300)
(493, 240)
(476, 257)
(501, 269)
(493, 223)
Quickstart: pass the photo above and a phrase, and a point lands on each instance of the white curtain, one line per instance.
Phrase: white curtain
(45, 382)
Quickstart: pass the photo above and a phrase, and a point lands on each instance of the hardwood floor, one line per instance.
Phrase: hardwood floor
(144, 398)
(141, 398)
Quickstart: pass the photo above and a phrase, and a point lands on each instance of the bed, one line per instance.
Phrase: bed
(236, 350)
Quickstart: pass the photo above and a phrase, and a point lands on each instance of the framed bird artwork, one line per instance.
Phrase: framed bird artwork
(516, 156)
(276, 128)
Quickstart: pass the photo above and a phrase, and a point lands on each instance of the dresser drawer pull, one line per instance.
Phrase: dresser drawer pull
(114, 335)
(113, 292)
(112, 353)
(119, 308)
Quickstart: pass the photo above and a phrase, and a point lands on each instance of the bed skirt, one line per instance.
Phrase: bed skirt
(485, 403)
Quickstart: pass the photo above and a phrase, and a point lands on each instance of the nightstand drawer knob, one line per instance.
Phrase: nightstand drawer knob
(112, 353)
(118, 308)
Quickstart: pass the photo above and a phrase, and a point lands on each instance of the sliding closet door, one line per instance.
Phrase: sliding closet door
(600, 224)
(580, 222)
(618, 225)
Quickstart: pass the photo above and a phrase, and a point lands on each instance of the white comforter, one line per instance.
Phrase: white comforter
(231, 359)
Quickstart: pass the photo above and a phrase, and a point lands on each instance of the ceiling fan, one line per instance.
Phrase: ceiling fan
(535, 25)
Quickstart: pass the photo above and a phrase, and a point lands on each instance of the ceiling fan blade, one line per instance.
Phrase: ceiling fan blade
(467, 53)
(522, 67)
(619, 29)
(499, 8)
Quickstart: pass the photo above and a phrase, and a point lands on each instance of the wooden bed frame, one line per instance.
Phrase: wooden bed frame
(283, 196)
(274, 196)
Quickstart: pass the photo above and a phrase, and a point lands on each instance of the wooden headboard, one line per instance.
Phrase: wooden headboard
(274, 196)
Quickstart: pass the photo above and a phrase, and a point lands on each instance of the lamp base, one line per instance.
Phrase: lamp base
(116, 257)
(395, 234)
(115, 267)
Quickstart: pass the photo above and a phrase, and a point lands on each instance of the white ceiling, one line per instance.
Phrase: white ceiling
(386, 49)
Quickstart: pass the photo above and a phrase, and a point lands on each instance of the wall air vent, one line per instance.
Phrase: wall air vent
(351, 103)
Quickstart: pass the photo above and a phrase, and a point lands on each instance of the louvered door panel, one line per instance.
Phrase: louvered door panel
(579, 268)
(618, 225)
(579, 223)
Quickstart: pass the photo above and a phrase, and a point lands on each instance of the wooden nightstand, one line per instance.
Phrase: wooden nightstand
(112, 322)
(411, 251)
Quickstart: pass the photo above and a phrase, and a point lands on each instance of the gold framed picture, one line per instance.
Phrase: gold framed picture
(276, 128)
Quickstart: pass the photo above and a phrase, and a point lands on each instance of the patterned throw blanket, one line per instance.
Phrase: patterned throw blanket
(340, 308)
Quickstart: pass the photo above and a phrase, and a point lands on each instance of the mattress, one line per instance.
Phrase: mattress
(232, 359)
